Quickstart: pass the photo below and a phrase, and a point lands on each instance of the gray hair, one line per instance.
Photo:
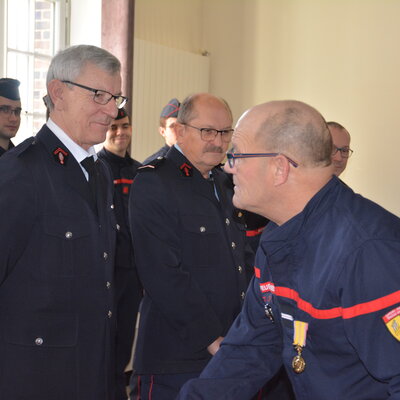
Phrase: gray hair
(187, 110)
(67, 64)
(299, 131)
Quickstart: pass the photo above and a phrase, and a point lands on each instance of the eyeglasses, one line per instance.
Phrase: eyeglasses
(101, 96)
(209, 134)
(7, 110)
(233, 156)
(345, 152)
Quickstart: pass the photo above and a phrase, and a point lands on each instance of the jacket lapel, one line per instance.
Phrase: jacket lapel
(65, 163)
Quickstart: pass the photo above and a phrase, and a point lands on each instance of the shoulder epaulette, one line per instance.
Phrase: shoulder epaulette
(152, 165)
(24, 146)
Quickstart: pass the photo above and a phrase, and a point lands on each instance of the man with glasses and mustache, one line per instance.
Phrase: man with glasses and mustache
(58, 237)
(10, 112)
(325, 299)
(341, 146)
(189, 250)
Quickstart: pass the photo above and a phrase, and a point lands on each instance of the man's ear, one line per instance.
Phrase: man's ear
(281, 169)
(179, 130)
(55, 90)
(161, 131)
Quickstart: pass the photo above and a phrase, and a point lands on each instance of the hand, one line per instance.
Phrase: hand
(214, 346)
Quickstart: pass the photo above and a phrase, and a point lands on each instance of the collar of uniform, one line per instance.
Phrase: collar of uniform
(123, 161)
(275, 236)
(77, 151)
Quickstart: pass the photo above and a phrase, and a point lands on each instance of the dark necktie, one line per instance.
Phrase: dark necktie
(90, 166)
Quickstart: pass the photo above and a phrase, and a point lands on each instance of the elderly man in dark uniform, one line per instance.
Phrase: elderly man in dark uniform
(128, 289)
(10, 112)
(58, 236)
(167, 129)
(189, 249)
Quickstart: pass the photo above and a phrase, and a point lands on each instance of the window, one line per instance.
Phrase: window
(35, 31)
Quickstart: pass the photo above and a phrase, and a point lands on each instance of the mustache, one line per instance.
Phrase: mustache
(213, 149)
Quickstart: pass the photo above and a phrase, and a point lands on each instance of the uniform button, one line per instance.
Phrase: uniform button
(242, 295)
(108, 285)
(240, 269)
(233, 245)
(112, 206)
(38, 341)
(202, 229)
(240, 214)
(68, 235)
(105, 256)
(227, 221)
(109, 314)
(118, 227)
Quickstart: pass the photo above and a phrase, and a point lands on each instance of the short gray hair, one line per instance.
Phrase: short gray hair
(67, 64)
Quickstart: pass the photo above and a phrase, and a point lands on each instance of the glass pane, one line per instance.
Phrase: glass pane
(44, 27)
(19, 24)
(41, 66)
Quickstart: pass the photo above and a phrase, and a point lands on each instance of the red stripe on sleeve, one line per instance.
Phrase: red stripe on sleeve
(345, 313)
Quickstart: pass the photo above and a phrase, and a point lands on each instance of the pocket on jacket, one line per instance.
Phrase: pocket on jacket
(201, 240)
(42, 330)
(66, 247)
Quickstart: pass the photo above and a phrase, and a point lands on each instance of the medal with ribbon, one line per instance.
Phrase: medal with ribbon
(299, 342)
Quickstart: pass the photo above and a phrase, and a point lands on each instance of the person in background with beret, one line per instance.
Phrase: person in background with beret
(10, 112)
(128, 290)
(167, 129)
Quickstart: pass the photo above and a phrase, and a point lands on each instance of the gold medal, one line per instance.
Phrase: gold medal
(299, 342)
(298, 362)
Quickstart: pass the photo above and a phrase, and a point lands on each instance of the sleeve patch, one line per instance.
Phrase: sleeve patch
(392, 322)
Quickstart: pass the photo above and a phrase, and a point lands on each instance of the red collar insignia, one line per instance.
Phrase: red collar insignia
(60, 155)
(186, 169)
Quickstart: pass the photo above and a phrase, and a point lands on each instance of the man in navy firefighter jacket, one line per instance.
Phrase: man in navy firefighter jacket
(325, 299)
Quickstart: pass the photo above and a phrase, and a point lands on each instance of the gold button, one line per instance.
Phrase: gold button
(38, 341)
(68, 235)
(240, 214)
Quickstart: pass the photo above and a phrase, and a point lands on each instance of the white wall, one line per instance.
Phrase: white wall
(85, 22)
(339, 56)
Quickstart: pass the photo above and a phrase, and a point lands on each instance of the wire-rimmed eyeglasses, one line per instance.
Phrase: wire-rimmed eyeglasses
(102, 96)
(8, 110)
(233, 156)
(209, 134)
(345, 152)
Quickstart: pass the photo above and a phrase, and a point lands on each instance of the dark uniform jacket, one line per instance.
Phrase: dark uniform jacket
(56, 276)
(189, 250)
(336, 267)
(128, 288)
(2, 151)
(162, 152)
